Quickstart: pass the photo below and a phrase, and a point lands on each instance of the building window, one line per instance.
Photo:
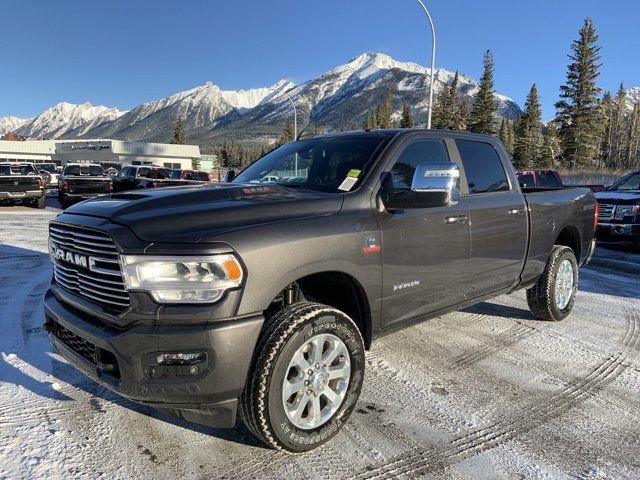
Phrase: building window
(172, 165)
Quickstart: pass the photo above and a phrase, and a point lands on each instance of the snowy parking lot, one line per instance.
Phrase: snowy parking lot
(487, 392)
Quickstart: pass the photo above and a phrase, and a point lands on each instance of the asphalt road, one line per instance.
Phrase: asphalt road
(487, 392)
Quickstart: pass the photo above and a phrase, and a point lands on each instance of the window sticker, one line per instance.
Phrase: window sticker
(348, 183)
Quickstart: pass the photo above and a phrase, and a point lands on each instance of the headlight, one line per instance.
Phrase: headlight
(182, 279)
(626, 211)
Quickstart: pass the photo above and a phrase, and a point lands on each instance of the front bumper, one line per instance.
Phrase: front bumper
(618, 231)
(125, 360)
(29, 194)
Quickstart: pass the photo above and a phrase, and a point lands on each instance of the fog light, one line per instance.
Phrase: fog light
(181, 358)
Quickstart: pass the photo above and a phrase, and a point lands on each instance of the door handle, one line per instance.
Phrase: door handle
(456, 219)
(516, 211)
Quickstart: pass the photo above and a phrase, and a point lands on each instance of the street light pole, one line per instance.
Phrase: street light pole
(433, 62)
(295, 117)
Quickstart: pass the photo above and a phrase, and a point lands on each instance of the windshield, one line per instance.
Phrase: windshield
(326, 164)
(630, 182)
(89, 170)
(17, 170)
(200, 176)
(47, 167)
(154, 173)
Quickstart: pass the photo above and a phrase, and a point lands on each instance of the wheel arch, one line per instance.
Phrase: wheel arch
(569, 236)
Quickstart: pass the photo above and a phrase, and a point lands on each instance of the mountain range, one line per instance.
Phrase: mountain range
(336, 99)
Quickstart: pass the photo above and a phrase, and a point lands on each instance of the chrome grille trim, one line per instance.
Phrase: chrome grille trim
(104, 283)
(605, 211)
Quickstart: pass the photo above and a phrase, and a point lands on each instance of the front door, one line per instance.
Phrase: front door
(425, 250)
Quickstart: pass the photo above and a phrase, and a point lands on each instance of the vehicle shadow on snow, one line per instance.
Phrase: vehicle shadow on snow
(497, 310)
(34, 348)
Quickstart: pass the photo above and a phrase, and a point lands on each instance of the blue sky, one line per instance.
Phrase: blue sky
(122, 53)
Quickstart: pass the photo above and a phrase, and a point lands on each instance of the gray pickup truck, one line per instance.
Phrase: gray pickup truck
(261, 295)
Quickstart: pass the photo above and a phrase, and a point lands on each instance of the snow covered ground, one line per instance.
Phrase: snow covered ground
(483, 393)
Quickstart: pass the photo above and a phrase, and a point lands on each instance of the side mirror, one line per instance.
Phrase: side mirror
(229, 175)
(433, 185)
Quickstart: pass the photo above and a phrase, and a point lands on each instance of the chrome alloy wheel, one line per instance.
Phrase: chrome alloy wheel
(564, 284)
(316, 381)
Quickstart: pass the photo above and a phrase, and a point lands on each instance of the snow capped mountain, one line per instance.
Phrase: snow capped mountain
(343, 95)
(336, 99)
(59, 119)
(198, 107)
(11, 124)
(633, 96)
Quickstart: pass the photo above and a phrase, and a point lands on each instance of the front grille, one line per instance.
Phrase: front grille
(89, 186)
(79, 345)
(97, 277)
(605, 211)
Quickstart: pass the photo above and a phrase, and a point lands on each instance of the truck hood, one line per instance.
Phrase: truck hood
(198, 213)
(619, 198)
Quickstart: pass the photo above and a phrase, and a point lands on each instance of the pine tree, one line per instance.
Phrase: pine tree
(550, 148)
(355, 126)
(461, 117)
(384, 112)
(178, 133)
(529, 137)
(370, 122)
(633, 139)
(506, 135)
(604, 123)
(482, 118)
(439, 111)
(619, 125)
(407, 117)
(578, 109)
(286, 136)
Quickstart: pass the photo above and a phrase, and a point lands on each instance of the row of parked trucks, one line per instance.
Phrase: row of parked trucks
(27, 183)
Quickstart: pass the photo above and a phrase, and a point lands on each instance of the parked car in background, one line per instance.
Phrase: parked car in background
(539, 178)
(21, 183)
(619, 211)
(260, 298)
(549, 179)
(146, 176)
(81, 181)
(196, 175)
(50, 174)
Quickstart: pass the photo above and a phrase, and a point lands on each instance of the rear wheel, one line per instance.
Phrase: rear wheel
(553, 295)
(305, 379)
(39, 203)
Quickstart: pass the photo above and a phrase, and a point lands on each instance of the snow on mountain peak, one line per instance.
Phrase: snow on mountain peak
(65, 116)
(11, 124)
(633, 96)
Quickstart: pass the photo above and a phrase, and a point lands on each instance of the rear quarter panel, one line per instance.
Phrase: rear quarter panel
(551, 212)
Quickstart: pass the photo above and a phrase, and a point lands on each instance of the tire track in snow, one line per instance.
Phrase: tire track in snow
(502, 341)
(422, 461)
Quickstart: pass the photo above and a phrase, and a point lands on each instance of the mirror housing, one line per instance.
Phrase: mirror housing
(433, 185)
(229, 175)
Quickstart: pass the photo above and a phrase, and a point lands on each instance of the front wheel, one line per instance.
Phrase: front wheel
(305, 379)
(553, 295)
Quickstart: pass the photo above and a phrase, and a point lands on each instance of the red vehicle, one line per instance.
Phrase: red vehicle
(548, 179)
(197, 175)
(539, 178)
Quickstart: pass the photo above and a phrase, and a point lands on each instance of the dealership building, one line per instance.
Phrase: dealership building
(62, 152)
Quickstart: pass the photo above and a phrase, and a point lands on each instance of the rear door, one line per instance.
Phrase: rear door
(498, 217)
(425, 252)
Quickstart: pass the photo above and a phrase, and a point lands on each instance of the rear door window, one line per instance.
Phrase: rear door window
(482, 167)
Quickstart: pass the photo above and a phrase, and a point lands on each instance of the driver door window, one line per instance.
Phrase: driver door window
(401, 175)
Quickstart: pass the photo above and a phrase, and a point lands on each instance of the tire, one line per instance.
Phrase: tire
(546, 302)
(39, 203)
(287, 333)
